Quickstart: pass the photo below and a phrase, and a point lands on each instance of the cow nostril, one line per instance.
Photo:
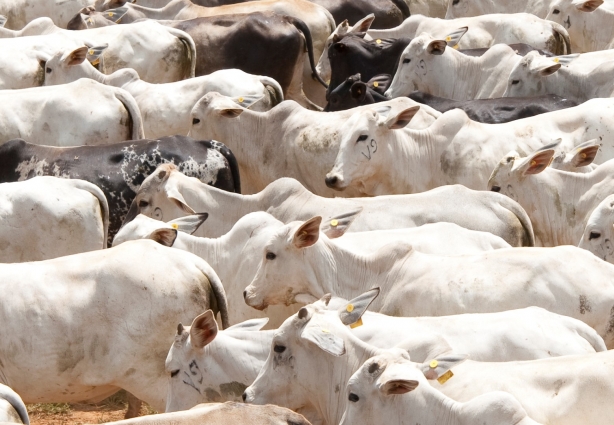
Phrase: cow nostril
(244, 397)
(496, 189)
(244, 297)
(331, 181)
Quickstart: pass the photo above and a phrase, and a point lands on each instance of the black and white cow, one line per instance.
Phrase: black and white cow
(120, 168)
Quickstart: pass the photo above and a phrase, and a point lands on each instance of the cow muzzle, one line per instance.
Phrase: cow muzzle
(334, 181)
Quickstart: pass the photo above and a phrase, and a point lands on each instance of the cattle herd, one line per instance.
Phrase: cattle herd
(286, 212)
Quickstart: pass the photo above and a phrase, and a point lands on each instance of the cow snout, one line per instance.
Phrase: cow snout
(244, 298)
(248, 396)
(244, 397)
(496, 189)
(331, 181)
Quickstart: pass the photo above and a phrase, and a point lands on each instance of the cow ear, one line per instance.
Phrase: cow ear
(548, 69)
(380, 83)
(364, 24)
(436, 47)
(2, 21)
(174, 195)
(308, 233)
(400, 120)
(587, 5)
(94, 54)
(436, 368)
(565, 59)
(115, 15)
(535, 163)
(203, 330)
(77, 56)
(358, 91)
(355, 308)
(249, 325)
(247, 101)
(164, 237)
(188, 224)
(316, 332)
(585, 153)
(338, 225)
(398, 386)
(454, 37)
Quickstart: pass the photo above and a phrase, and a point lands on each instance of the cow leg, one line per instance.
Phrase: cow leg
(295, 89)
(134, 406)
(313, 89)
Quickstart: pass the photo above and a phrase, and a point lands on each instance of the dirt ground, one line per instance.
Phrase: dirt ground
(108, 410)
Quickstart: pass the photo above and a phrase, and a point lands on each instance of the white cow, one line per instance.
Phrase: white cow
(81, 113)
(377, 158)
(12, 408)
(374, 390)
(166, 107)
(418, 284)
(535, 333)
(20, 12)
(560, 217)
(598, 235)
(167, 194)
(462, 8)
(158, 53)
(38, 26)
(283, 142)
(49, 217)
(103, 320)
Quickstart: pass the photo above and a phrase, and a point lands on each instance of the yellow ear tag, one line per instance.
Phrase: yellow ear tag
(455, 47)
(356, 324)
(556, 60)
(533, 163)
(90, 52)
(445, 377)
(326, 331)
(90, 20)
(433, 364)
(375, 84)
(448, 38)
(175, 226)
(334, 223)
(378, 41)
(240, 100)
(350, 308)
(96, 62)
(111, 14)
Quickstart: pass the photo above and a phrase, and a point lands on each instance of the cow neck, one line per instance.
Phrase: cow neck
(407, 28)
(170, 11)
(430, 407)
(212, 250)
(573, 85)
(126, 79)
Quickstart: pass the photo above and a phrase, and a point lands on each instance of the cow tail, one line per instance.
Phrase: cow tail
(218, 291)
(593, 338)
(516, 209)
(300, 25)
(270, 83)
(135, 113)
(232, 162)
(188, 42)
(14, 400)
(562, 39)
(102, 200)
(403, 7)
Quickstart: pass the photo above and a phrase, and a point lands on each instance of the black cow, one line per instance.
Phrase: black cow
(353, 92)
(120, 168)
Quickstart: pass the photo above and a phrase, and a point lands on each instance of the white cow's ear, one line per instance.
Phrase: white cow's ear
(355, 308)
(174, 195)
(401, 119)
(338, 225)
(315, 331)
(436, 368)
(535, 163)
(203, 330)
(308, 233)
(247, 101)
(76, 57)
(2, 21)
(585, 153)
(249, 325)
(454, 37)
(587, 5)
(364, 24)
(436, 47)
(398, 386)
(188, 224)
(547, 69)
(164, 236)
(229, 112)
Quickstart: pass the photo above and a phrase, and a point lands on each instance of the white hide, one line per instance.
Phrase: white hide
(49, 217)
(20, 12)
(598, 235)
(12, 407)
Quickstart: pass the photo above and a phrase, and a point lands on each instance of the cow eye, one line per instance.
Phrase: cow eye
(556, 12)
(174, 373)
(594, 235)
(48, 70)
(495, 189)
(143, 204)
(406, 60)
(353, 398)
(514, 82)
(362, 138)
(279, 348)
(270, 256)
(195, 121)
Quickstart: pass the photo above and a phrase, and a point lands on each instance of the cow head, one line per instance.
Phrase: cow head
(570, 13)
(88, 18)
(372, 389)
(598, 236)
(66, 67)
(509, 174)
(579, 157)
(308, 353)
(297, 246)
(526, 78)
(193, 362)
(143, 227)
(419, 59)
(364, 146)
(353, 92)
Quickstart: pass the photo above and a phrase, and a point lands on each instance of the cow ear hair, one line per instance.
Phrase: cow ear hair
(203, 330)
(3, 20)
(174, 195)
(401, 119)
(587, 5)
(229, 112)
(585, 153)
(308, 234)
(364, 24)
(77, 56)
(164, 236)
(249, 325)
(536, 162)
(339, 224)
(398, 386)
(358, 91)
(316, 332)
(454, 37)
(189, 224)
(436, 47)
(435, 368)
(356, 307)
(548, 69)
